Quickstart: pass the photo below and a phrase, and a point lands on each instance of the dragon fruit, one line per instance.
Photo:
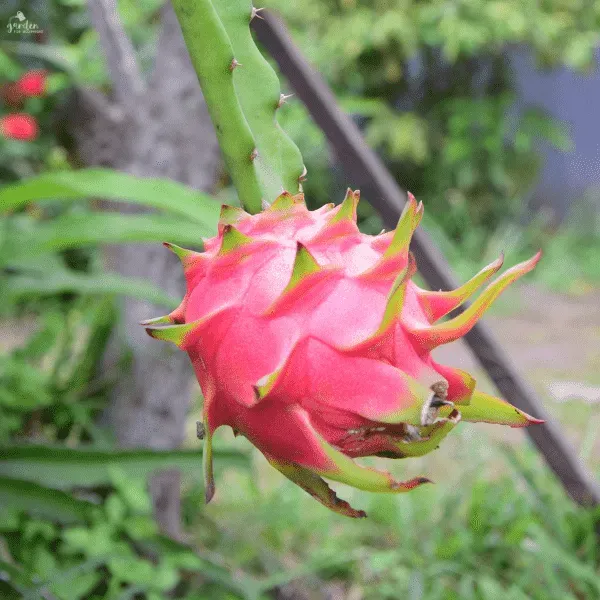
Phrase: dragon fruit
(309, 338)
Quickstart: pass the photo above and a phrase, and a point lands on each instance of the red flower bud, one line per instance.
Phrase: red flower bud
(19, 126)
(32, 84)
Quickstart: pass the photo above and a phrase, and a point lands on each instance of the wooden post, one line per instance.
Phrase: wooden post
(364, 169)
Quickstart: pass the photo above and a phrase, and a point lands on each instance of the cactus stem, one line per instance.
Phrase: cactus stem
(219, 40)
(211, 51)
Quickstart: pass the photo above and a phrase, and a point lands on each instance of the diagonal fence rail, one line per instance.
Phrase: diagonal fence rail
(364, 169)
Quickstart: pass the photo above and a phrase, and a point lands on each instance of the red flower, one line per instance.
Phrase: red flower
(32, 84)
(19, 126)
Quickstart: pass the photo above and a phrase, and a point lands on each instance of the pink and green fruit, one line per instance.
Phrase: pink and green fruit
(310, 338)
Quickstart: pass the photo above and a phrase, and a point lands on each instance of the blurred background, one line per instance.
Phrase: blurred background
(485, 109)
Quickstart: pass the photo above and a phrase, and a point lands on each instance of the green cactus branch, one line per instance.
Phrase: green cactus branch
(212, 56)
(279, 161)
(243, 95)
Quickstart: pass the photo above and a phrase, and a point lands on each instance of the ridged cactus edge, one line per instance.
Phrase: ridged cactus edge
(243, 95)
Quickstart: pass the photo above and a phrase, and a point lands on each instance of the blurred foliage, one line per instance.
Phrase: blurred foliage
(95, 536)
(429, 82)
(19, 158)
(515, 535)
(104, 547)
(101, 540)
(570, 252)
(67, 47)
(74, 521)
(53, 390)
(48, 230)
(60, 23)
(498, 533)
(49, 387)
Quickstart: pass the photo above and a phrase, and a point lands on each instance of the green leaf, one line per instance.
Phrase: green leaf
(12, 572)
(132, 490)
(47, 503)
(76, 587)
(210, 565)
(27, 237)
(58, 56)
(131, 570)
(165, 576)
(8, 67)
(20, 286)
(43, 562)
(15, 582)
(115, 509)
(69, 467)
(564, 559)
(35, 528)
(139, 527)
(320, 562)
(22, 386)
(70, 186)
(96, 541)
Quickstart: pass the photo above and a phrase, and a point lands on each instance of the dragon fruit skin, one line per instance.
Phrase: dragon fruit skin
(310, 339)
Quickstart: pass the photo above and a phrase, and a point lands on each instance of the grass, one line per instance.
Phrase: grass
(497, 525)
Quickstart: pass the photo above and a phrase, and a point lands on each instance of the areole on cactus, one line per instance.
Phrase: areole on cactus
(311, 339)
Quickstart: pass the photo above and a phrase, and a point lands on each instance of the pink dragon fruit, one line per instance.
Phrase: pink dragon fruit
(310, 339)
